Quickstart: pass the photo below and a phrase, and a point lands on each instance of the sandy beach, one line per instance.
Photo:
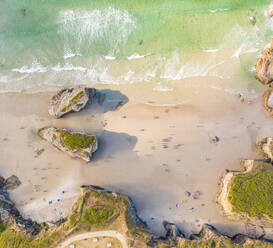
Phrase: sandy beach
(152, 153)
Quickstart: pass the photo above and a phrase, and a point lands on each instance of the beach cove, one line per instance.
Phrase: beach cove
(180, 107)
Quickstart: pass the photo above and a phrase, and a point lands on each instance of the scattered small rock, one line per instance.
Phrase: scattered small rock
(215, 139)
(187, 193)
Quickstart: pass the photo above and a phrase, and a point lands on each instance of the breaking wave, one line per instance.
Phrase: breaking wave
(84, 30)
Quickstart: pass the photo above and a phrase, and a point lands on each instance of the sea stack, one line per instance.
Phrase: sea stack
(70, 100)
(76, 144)
(264, 66)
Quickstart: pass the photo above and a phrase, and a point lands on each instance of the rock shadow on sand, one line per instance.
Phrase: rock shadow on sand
(113, 143)
(102, 102)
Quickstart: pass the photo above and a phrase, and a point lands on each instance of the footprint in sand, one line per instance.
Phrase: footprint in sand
(178, 146)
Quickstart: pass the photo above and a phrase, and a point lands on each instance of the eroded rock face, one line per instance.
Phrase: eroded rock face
(268, 101)
(77, 145)
(264, 66)
(70, 100)
(252, 177)
(266, 147)
(8, 211)
(172, 231)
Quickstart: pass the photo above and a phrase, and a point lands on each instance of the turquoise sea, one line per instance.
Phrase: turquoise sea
(49, 44)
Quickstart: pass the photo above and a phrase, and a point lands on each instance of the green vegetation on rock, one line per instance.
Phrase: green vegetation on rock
(76, 140)
(75, 98)
(252, 193)
(99, 215)
(13, 239)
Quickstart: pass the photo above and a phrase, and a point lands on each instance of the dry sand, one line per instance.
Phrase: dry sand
(154, 154)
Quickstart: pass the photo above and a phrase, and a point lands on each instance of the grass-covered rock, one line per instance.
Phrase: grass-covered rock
(248, 195)
(69, 100)
(100, 210)
(252, 193)
(76, 144)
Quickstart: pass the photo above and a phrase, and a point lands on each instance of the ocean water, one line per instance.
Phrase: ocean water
(47, 45)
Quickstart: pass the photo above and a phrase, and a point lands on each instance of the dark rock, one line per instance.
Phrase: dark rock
(172, 231)
(12, 182)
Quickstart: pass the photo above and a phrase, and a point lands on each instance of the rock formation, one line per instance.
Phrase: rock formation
(99, 209)
(264, 66)
(78, 145)
(266, 147)
(9, 213)
(244, 195)
(268, 101)
(69, 100)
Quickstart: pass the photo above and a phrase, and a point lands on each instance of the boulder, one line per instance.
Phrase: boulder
(264, 66)
(268, 101)
(12, 182)
(266, 147)
(76, 144)
(70, 100)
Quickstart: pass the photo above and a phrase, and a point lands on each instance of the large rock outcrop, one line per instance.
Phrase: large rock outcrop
(70, 100)
(268, 101)
(266, 147)
(9, 213)
(77, 145)
(246, 195)
(264, 66)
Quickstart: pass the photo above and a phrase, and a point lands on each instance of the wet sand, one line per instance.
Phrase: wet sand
(152, 153)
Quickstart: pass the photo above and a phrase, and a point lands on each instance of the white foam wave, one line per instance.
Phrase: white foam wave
(67, 67)
(211, 50)
(109, 57)
(137, 56)
(219, 10)
(162, 88)
(109, 26)
(71, 55)
(128, 75)
(4, 79)
(35, 67)
(174, 70)
(244, 49)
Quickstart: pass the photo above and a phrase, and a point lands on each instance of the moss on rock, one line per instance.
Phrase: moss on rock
(252, 193)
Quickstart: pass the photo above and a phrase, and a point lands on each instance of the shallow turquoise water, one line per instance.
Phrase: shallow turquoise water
(39, 37)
